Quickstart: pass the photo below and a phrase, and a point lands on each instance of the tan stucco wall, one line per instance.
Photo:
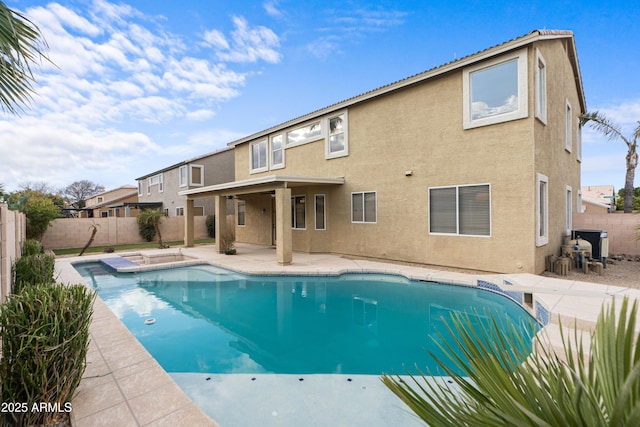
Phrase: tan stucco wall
(420, 129)
(551, 158)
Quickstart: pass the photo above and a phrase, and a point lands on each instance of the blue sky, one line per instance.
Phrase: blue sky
(141, 85)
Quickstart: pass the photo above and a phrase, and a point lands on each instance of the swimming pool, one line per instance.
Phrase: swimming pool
(204, 319)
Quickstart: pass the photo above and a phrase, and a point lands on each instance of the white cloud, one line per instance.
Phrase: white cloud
(248, 44)
(271, 7)
(116, 72)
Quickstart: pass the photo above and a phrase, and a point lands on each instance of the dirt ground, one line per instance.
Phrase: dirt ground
(618, 273)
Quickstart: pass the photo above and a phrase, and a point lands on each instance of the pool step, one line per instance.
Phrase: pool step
(118, 262)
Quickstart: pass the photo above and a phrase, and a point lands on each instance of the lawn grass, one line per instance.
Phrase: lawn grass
(149, 245)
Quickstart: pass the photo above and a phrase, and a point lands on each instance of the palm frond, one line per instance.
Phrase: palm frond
(502, 384)
(21, 45)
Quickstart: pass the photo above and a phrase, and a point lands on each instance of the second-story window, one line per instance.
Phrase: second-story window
(183, 176)
(495, 91)
(277, 152)
(337, 145)
(259, 156)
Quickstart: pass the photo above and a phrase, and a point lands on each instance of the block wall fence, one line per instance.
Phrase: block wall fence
(65, 233)
(622, 229)
(13, 231)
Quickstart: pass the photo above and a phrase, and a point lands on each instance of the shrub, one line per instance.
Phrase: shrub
(45, 339)
(147, 231)
(210, 223)
(31, 247)
(33, 269)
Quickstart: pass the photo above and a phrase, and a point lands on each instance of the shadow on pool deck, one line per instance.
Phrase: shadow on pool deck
(123, 384)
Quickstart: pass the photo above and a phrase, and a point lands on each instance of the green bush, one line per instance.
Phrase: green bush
(147, 231)
(45, 339)
(31, 247)
(33, 269)
(210, 223)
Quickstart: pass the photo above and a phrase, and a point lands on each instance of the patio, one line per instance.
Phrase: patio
(123, 385)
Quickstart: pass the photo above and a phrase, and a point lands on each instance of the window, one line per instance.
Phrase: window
(320, 212)
(569, 211)
(100, 199)
(277, 152)
(304, 134)
(363, 207)
(579, 201)
(241, 212)
(569, 128)
(155, 180)
(541, 88)
(542, 210)
(259, 156)
(179, 211)
(183, 176)
(495, 91)
(461, 210)
(298, 216)
(337, 139)
(165, 211)
(139, 188)
(197, 175)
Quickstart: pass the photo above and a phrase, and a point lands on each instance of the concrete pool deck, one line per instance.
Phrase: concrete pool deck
(123, 384)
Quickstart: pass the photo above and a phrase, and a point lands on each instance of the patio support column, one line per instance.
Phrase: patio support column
(283, 226)
(188, 223)
(221, 221)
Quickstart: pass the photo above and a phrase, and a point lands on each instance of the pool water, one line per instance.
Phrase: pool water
(204, 319)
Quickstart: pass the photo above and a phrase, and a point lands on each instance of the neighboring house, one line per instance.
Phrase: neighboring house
(598, 199)
(161, 187)
(112, 203)
(474, 164)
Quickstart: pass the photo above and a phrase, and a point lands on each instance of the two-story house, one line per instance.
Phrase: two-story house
(114, 203)
(473, 164)
(163, 186)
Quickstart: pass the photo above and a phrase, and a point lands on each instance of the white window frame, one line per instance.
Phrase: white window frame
(191, 168)
(294, 203)
(272, 151)
(542, 210)
(568, 210)
(345, 151)
(183, 176)
(541, 87)
(140, 185)
(568, 137)
(521, 112)
(364, 209)
(266, 159)
(180, 211)
(579, 141)
(324, 211)
(579, 201)
(155, 180)
(457, 206)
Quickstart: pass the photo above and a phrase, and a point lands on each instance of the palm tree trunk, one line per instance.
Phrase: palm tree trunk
(93, 235)
(160, 244)
(632, 163)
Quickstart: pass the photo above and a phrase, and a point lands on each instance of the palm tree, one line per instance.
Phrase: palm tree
(606, 127)
(153, 217)
(596, 387)
(21, 44)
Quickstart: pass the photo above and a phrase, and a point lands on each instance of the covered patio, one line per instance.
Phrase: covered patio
(277, 186)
